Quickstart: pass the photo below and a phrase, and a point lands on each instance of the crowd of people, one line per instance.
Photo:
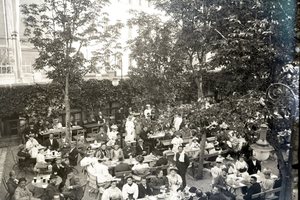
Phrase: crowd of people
(124, 145)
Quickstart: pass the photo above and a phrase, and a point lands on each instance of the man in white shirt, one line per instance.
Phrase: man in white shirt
(216, 171)
(32, 146)
(130, 190)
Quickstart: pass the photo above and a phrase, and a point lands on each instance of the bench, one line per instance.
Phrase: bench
(262, 195)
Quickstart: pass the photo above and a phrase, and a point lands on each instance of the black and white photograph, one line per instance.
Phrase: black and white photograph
(149, 99)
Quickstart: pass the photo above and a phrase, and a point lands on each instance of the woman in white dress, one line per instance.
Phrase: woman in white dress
(175, 180)
(113, 192)
(112, 135)
(130, 129)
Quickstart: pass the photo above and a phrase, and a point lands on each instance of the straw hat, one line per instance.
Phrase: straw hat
(114, 127)
(173, 168)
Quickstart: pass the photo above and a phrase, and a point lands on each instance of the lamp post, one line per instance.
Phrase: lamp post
(282, 98)
(262, 148)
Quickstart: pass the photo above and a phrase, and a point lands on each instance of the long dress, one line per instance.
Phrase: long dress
(175, 182)
(130, 130)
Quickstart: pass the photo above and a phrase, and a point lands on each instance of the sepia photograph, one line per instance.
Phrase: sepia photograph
(149, 99)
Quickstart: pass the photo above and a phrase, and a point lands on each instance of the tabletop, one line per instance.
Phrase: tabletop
(50, 155)
(60, 130)
(42, 181)
(157, 135)
(93, 125)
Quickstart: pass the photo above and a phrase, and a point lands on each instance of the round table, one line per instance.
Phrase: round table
(42, 181)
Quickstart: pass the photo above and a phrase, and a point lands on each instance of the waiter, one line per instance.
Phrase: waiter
(182, 163)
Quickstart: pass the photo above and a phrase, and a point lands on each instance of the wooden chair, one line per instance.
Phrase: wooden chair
(7, 195)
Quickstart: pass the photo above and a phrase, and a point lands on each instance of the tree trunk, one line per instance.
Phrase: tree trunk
(199, 83)
(68, 110)
(201, 156)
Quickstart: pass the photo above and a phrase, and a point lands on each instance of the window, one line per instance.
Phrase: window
(6, 69)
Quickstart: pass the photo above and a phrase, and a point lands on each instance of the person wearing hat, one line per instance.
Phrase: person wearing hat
(194, 143)
(220, 182)
(103, 152)
(176, 142)
(267, 182)
(159, 182)
(254, 188)
(140, 168)
(182, 162)
(32, 145)
(60, 169)
(175, 180)
(130, 128)
(177, 121)
(241, 165)
(113, 192)
(112, 135)
(22, 192)
(130, 190)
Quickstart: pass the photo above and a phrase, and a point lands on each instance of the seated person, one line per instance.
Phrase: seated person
(195, 193)
(113, 192)
(64, 145)
(194, 144)
(163, 160)
(73, 154)
(241, 165)
(175, 180)
(130, 190)
(32, 146)
(24, 157)
(41, 163)
(221, 184)
(216, 171)
(101, 136)
(128, 150)
(103, 152)
(220, 158)
(61, 169)
(254, 188)
(51, 189)
(144, 189)
(141, 148)
(116, 152)
(73, 189)
(140, 168)
(51, 143)
(267, 183)
(22, 192)
(121, 167)
(159, 183)
(216, 194)
(12, 184)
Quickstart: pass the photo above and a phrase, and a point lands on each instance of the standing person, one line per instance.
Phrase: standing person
(253, 189)
(73, 154)
(253, 165)
(130, 129)
(100, 119)
(130, 190)
(148, 111)
(51, 143)
(182, 163)
(216, 171)
(12, 184)
(60, 169)
(22, 192)
(177, 121)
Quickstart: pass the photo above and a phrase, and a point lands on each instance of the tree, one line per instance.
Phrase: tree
(60, 30)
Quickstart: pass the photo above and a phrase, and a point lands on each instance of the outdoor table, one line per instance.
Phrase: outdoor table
(42, 181)
(51, 155)
(157, 135)
(90, 126)
(58, 131)
(95, 145)
(168, 142)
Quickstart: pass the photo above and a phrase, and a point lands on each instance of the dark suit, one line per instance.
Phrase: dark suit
(143, 191)
(128, 150)
(53, 146)
(49, 192)
(252, 169)
(73, 156)
(76, 193)
(182, 167)
(253, 189)
(11, 187)
(140, 149)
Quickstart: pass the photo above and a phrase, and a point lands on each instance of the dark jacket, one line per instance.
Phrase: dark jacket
(182, 166)
(156, 183)
(253, 189)
(11, 186)
(144, 191)
(49, 192)
(54, 146)
(76, 193)
(161, 161)
(252, 169)
(122, 167)
(73, 156)
(61, 171)
(139, 149)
